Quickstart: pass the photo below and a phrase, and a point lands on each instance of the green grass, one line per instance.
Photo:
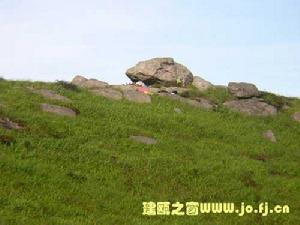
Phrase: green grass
(85, 170)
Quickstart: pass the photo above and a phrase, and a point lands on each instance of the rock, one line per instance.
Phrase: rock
(200, 102)
(177, 110)
(201, 84)
(50, 95)
(144, 140)
(108, 93)
(83, 82)
(175, 90)
(8, 124)
(124, 87)
(296, 116)
(243, 90)
(269, 135)
(59, 110)
(162, 71)
(136, 96)
(252, 107)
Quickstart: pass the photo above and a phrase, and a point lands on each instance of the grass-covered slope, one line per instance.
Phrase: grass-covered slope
(85, 170)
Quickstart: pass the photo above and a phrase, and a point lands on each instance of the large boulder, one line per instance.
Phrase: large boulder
(201, 84)
(243, 90)
(252, 107)
(164, 71)
(83, 82)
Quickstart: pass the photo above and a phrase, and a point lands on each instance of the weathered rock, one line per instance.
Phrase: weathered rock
(108, 93)
(124, 87)
(269, 135)
(296, 116)
(200, 102)
(8, 124)
(175, 90)
(83, 82)
(201, 84)
(59, 110)
(162, 71)
(136, 96)
(50, 95)
(144, 140)
(243, 90)
(252, 107)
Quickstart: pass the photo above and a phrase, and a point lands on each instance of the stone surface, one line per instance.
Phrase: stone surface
(164, 71)
(252, 107)
(200, 102)
(50, 94)
(201, 84)
(108, 93)
(243, 90)
(144, 140)
(175, 90)
(59, 110)
(135, 96)
(8, 124)
(83, 82)
(269, 135)
(296, 116)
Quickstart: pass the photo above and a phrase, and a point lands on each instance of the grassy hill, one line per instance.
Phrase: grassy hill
(86, 170)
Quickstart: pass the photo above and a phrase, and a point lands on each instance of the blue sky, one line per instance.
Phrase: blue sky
(234, 40)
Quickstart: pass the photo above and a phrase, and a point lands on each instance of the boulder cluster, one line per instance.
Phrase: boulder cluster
(165, 77)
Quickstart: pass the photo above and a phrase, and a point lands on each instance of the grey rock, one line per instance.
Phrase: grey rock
(200, 102)
(144, 140)
(252, 107)
(164, 71)
(177, 110)
(108, 93)
(8, 124)
(59, 110)
(243, 90)
(124, 87)
(201, 84)
(296, 116)
(269, 135)
(135, 96)
(83, 82)
(50, 94)
(176, 90)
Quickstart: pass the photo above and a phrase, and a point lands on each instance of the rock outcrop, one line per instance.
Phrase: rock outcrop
(108, 93)
(201, 84)
(135, 96)
(163, 71)
(58, 110)
(83, 82)
(252, 107)
(50, 94)
(243, 90)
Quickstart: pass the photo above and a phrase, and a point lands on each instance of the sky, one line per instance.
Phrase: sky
(255, 41)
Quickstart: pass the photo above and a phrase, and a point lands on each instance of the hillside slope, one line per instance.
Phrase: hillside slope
(86, 169)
